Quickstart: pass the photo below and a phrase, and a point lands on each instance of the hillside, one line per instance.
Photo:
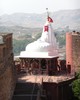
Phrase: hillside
(63, 18)
(21, 33)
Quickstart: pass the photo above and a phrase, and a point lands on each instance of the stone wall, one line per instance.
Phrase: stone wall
(7, 68)
(58, 91)
(7, 84)
(73, 50)
(76, 50)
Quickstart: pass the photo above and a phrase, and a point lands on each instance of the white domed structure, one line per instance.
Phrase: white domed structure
(45, 47)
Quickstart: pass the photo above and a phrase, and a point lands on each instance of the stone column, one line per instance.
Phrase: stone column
(39, 66)
(47, 66)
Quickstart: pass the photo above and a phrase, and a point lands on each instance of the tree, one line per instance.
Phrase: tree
(76, 86)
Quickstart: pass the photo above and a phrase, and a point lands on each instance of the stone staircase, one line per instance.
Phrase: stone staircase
(25, 91)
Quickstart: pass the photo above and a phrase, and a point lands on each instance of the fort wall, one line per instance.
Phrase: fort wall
(7, 69)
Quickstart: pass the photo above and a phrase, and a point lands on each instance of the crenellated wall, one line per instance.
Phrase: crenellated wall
(7, 68)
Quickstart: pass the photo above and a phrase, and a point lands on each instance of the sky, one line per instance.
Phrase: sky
(36, 6)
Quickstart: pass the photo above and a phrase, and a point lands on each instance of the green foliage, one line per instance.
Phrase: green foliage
(76, 88)
(19, 45)
(61, 38)
(78, 75)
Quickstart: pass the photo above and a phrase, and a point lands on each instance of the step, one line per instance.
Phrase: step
(24, 91)
(18, 97)
(25, 88)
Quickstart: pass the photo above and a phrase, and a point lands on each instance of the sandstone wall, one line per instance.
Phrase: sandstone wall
(7, 84)
(7, 68)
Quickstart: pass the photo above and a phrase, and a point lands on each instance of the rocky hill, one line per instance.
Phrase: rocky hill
(62, 18)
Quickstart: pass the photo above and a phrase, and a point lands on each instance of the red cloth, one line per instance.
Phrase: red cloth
(45, 28)
(50, 19)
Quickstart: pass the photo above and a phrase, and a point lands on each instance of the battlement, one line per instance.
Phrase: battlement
(76, 33)
(5, 44)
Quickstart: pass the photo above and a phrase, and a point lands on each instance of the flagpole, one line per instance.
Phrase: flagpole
(47, 13)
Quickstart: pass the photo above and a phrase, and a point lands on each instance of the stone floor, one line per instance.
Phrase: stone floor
(45, 78)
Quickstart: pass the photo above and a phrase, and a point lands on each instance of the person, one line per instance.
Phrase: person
(69, 68)
(58, 68)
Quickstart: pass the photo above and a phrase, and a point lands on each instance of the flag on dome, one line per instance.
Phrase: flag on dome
(45, 28)
(50, 19)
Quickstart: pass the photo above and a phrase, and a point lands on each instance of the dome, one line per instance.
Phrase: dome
(45, 46)
(38, 46)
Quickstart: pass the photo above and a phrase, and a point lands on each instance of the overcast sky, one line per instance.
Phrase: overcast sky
(36, 6)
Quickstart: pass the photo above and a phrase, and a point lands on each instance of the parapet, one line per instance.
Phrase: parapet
(5, 44)
(75, 33)
(4, 36)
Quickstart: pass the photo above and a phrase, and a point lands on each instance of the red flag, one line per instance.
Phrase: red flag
(45, 28)
(50, 19)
